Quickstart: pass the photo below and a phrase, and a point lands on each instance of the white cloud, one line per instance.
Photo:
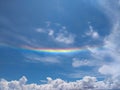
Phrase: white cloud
(65, 37)
(112, 50)
(92, 33)
(87, 83)
(112, 44)
(78, 63)
(61, 36)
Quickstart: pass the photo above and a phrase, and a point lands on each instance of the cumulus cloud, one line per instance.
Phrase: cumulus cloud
(87, 83)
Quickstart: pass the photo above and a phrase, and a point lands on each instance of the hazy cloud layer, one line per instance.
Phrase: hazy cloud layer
(46, 59)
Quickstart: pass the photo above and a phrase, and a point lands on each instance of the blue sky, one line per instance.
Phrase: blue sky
(92, 25)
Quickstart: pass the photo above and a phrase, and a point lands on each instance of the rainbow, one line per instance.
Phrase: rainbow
(52, 50)
(56, 50)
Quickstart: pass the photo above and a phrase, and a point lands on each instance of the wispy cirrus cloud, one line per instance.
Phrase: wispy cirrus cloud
(111, 42)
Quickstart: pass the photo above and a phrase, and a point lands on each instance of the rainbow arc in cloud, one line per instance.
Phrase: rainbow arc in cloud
(56, 50)
(52, 50)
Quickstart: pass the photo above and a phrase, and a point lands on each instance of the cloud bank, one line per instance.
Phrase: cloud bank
(87, 83)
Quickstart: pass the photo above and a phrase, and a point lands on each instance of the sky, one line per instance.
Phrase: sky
(59, 44)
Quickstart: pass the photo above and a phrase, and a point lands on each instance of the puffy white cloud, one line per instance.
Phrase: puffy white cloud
(87, 83)
(13, 85)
